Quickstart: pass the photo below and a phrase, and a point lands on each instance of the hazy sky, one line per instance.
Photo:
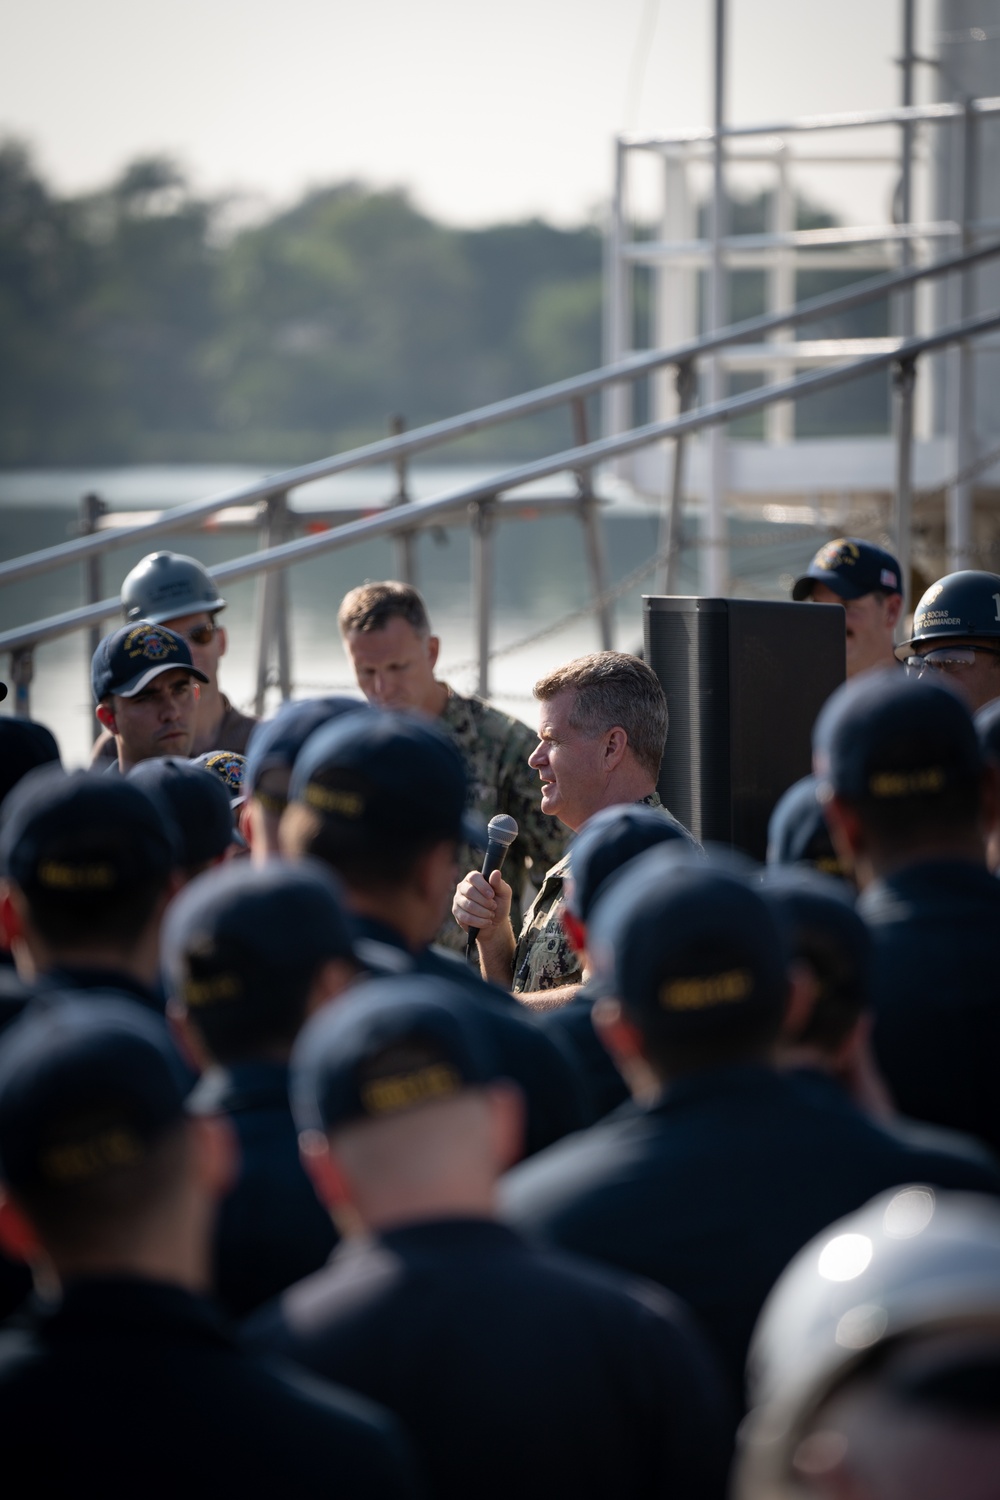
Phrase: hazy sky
(485, 111)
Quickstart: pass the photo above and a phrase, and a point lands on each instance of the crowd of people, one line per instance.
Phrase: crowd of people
(336, 1161)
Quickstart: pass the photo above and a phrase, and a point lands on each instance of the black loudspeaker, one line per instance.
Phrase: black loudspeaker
(744, 680)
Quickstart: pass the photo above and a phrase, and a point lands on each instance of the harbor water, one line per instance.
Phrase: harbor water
(540, 578)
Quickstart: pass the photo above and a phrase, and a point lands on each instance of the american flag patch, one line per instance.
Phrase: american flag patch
(888, 579)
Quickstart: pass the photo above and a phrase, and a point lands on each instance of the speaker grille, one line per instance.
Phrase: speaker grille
(688, 649)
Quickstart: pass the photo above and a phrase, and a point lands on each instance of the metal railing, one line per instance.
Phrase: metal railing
(677, 253)
(484, 499)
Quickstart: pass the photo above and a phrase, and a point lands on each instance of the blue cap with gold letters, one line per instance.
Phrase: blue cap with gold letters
(86, 1087)
(851, 568)
(688, 948)
(127, 660)
(388, 1045)
(883, 738)
(389, 775)
(84, 838)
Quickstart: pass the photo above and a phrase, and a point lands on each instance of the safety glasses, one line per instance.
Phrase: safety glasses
(947, 659)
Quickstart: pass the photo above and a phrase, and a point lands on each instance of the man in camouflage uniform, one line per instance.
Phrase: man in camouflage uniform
(603, 725)
(388, 636)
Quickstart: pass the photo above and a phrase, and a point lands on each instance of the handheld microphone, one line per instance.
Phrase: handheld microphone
(502, 832)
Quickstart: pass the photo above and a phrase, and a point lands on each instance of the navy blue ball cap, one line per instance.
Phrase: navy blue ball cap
(851, 568)
(86, 1087)
(227, 766)
(987, 722)
(389, 1045)
(608, 841)
(390, 775)
(274, 743)
(127, 660)
(232, 936)
(690, 949)
(823, 927)
(797, 833)
(23, 746)
(883, 738)
(83, 836)
(197, 801)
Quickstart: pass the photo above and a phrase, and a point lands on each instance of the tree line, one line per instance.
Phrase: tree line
(134, 328)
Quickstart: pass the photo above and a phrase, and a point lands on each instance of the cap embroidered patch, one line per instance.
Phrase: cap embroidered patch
(227, 765)
(334, 800)
(888, 579)
(907, 783)
(699, 992)
(146, 640)
(382, 1096)
(838, 554)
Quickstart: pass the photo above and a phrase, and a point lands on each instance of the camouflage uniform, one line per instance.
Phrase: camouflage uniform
(543, 958)
(495, 749)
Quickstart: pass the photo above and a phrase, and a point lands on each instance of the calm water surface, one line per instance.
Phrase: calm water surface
(540, 576)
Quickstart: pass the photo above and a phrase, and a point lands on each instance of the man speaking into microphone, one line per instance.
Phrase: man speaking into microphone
(602, 729)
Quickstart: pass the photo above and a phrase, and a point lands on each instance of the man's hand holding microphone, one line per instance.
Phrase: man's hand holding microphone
(482, 906)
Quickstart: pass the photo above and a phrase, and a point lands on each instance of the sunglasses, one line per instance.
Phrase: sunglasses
(200, 635)
(947, 659)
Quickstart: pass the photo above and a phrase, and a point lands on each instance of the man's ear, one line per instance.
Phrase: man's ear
(846, 832)
(186, 1037)
(615, 745)
(17, 1234)
(507, 1120)
(106, 716)
(244, 822)
(11, 925)
(620, 1036)
(220, 631)
(893, 609)
(323, 1169)
(803, 992)
(433, 649)
(217, 1153)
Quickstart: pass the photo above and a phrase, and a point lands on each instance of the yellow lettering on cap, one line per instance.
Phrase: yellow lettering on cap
(383, 1096)
(65, 877)
(701, 991)
(75, 1161)
(907, 783)
(335, 800)
(209, 991)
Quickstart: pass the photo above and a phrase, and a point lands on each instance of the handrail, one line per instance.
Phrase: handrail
(575, 387)
(904, 114)
(583, 456)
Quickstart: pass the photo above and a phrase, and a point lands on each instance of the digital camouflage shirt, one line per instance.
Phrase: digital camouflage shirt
(543, 958)
(495, 748)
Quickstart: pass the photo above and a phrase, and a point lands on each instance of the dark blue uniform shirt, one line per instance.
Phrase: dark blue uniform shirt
(712, 1190)
(554, 1092)
(130, 1387)
(271, 1230)
(936, 992)
(572, 1026)
(517, 1372)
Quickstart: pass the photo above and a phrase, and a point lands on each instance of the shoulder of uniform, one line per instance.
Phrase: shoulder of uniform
(560, 869)
(487, 716)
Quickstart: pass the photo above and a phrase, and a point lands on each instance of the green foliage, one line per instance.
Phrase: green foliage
(131, 331)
